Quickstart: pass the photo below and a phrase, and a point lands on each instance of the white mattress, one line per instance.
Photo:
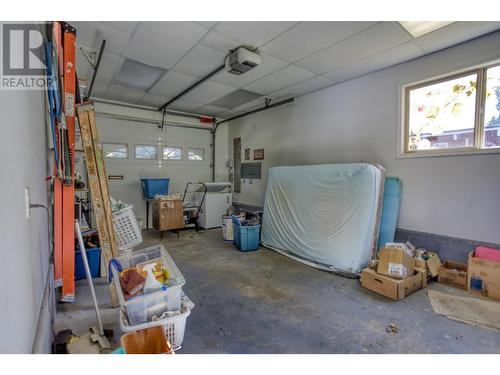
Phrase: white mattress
(327, 216)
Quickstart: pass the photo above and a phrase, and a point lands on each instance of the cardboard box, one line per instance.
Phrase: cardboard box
(425, 276)
(168, 214)
(484, 276)
(407, 247)
(389, 287)
(395, 262)
(453, 274)
(431, 265)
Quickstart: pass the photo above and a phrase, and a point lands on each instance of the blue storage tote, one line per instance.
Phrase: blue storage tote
(94, 258)
(246, 237)
(153, 186)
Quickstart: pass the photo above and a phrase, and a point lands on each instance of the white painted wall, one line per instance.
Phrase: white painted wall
(24, 250)
(357, 120)
(136, 132)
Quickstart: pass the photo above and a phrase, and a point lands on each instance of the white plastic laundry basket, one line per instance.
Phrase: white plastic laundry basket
(127, 230)
(173, 326)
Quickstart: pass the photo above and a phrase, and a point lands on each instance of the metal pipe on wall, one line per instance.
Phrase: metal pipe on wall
(216, 125)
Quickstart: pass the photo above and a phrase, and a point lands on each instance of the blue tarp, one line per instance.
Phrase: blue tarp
(327, 216)
(390, 211)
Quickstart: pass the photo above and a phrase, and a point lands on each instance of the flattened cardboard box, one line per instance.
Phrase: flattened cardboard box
(395, 262)
(484, 277)
(453, 274)
(389, 287)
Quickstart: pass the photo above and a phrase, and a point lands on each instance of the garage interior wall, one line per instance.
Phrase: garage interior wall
(180, 172)
(358, 120)
(24, 266)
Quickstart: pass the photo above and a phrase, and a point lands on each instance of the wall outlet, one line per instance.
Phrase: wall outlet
(27, 202)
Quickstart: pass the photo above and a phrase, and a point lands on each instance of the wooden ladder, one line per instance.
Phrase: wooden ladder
(99, 189)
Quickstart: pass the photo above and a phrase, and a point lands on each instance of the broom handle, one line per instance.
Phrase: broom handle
(89, 276)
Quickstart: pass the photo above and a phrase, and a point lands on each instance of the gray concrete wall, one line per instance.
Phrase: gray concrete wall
(358, 120)
(24, 250)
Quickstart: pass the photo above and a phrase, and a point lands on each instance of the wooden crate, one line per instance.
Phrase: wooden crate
(168, 215)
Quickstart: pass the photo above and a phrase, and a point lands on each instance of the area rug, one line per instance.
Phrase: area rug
(478, 312)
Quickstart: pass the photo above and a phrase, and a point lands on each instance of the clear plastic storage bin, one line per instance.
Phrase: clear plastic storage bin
(140, 309)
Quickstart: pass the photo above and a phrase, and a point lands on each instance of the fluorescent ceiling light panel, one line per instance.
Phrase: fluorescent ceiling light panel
(235, 98)
(419, 28)
(138, 75)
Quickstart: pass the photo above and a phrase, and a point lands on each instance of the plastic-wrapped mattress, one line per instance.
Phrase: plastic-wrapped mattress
(327, 216)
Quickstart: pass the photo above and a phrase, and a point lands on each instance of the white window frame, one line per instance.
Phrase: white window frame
(197, 148)
(144, 144)
(403, 124)
(163, 153)
(112, 157)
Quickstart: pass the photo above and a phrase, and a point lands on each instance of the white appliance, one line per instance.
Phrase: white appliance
(217, 200)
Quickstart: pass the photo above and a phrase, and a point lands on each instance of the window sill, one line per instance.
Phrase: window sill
(433, 153)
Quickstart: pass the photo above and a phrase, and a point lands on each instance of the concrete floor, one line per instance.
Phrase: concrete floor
(263, 302)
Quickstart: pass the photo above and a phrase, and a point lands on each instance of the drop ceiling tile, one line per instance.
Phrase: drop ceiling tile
(211, 110)
(219, 42)
(236, 98)
(138, 75)
(455, 33)
(154, 100)
(310, 37)
(109, 64)
(124, 94)
(207, 24)
(285, 77)
(257, 103)
(184, 105)
(268, 65)
(173, 83)
(98, 91)
(351, 71)
(128, 26)
(83, 69)
(310, 85)
(200, 61)
(229, 113)
(393, 56)
(375, 39)
(92, 33)
(164, 43)
(253, 33)
(208, 92)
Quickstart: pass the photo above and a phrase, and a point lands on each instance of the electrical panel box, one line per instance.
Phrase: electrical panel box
(251, 170)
